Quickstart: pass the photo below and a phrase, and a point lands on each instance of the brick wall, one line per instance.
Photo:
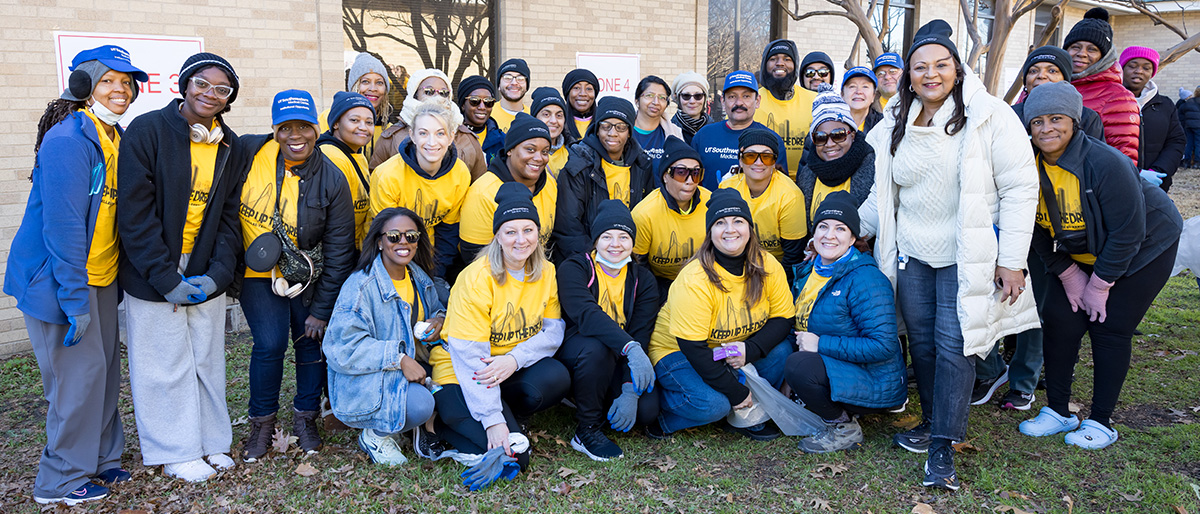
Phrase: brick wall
(274, 45)
(1140, 31)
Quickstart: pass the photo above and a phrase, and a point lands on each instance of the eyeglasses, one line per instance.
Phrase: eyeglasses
(767, 158)
(813, 72)
(619, 127)
(687, 97)
(203, 86)
(429, 91)
(393, 236)
(837, 136)
(513, 77)
(650, 97)
(681, 173)
(476, 100)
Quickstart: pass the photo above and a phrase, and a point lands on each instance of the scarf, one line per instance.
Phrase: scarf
(826, 270)
(832, 173)
(688, 124)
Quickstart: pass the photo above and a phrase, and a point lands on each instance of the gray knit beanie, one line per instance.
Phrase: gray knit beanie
(1053, 98)
(363, 64)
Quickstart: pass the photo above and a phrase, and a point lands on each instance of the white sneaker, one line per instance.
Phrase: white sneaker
(221, 461)
(382, 449)
(191, 471)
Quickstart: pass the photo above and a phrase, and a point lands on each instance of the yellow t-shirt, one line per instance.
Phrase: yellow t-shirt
(808, 296)
(504, 118)
(696, 310)
(481, 135)
(668, 238)
(611, 293)
(258, 200)
(617, 179)
(436, 200)
(204, 161)
(479, 207)
(582, 125)
(883, 100)
(323, 121)
(820, 191)
(358, 190)
(778, 212)
(1070, 206)
(790, 119)
(105, 249)
(404, 288)
(558, 160)
(502, 314)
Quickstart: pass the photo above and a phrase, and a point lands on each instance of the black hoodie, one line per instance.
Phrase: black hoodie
(779, 88)
(582, 186)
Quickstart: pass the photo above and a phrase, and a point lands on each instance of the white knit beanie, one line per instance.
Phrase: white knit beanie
(830, 105)
(686, 78)
(410, 100)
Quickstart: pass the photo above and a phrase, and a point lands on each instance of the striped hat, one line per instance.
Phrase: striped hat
(829, 105)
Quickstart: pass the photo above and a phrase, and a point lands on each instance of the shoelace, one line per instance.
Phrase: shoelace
(307, 429)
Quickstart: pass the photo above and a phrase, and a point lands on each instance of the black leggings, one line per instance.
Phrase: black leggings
(1112, 341)
(597, 374)
(528, 391)
(805, 372)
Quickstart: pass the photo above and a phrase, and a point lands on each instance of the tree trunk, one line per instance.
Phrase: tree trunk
(1001, 29)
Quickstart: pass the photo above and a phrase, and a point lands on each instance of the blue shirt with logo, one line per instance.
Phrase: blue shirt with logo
(718, 148)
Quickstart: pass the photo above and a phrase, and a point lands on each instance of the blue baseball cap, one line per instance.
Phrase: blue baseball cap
(113, 56)
(889, 59)
(860, 71)
(740, 78)
(293, 104)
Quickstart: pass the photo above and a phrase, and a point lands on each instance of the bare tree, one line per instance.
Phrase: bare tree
(1006, 13)
(851, 10)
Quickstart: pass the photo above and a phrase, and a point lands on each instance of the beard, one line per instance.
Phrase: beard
(778, 87)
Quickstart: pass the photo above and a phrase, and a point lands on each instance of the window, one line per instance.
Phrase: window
(738, 30)
(984, 20)
(1041, 18)
(896, 24)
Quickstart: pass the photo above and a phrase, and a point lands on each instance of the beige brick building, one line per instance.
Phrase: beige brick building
(281, 44)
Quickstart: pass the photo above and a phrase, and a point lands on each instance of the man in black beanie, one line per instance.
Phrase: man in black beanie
(513, 80)
(784, 106)
(817, 68)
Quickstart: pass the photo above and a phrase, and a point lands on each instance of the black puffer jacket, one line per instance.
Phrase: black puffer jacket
(1163, 139)
(582, 186)
(1189, 113)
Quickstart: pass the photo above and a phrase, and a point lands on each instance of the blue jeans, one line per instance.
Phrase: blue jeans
(687, 401)
(270, 318)
(1191, 153)
(928, 300)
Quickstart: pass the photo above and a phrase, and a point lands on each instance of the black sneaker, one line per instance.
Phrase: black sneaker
(1017, 400)
(916, 439)
(262, 429)
(984, 389)
(655, 431)
(592, 442)
(304, 427)
(939, 469)
(760, 432)
(428, 444)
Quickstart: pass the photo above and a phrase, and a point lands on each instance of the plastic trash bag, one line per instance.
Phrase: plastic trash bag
(792, 419)
(1189, 248)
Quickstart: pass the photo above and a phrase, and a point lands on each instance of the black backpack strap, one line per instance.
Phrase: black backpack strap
(1051, 201)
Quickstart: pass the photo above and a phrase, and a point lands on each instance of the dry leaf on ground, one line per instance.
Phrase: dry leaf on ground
(305, 470)
(923, 508)
(1134, 497)
(1070, 503)
(280, 441)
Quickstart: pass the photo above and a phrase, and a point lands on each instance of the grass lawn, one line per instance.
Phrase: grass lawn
(1155, 467)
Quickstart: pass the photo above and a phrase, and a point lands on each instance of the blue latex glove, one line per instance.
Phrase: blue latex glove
(206, 285)
(623, 413)
(79, 325)
(640, 368)
(183, 293)
(495, 465)
(1153, 177)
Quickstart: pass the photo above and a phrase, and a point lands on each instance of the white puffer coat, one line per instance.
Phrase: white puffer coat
(998, 188)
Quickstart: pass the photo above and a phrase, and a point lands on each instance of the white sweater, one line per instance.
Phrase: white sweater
(926, 171)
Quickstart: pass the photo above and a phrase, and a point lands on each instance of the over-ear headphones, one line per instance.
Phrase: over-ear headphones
(199, 134)
(80, 84)
(280, 286)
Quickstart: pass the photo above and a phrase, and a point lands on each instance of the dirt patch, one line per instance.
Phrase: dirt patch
(1185, 190)
(1188, 469)
(1144, 416)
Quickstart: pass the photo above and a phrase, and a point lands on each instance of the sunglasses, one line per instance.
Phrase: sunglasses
(837, 136)
(681, 173)
(810, 73)
(411, 236)
(476, 100)
(621, 128)
(429, 91)
(203, 86)
(767, 158)
(688, 97)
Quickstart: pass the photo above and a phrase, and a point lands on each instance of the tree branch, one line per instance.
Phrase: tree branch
(1176, 52)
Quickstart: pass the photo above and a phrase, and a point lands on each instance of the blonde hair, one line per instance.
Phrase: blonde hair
(438, 111)
(494, 254)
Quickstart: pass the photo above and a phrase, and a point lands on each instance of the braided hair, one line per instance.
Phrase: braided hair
(56, 111)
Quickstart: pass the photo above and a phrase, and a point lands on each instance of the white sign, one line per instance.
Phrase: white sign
(618, 73)
(160, 57)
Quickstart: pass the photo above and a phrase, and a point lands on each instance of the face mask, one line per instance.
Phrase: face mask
(103, 114)
(613, 265)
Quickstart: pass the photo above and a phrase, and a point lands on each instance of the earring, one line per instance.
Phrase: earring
(957, 81)
(910, 89)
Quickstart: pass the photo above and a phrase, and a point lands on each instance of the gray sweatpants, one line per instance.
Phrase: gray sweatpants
(82, 384)
(177, 376)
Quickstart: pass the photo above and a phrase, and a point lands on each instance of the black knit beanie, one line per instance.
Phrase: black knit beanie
(757, 136)
(612, 107)
(1094, 29)
(675, 150)
(935, 32)
(517, 65)
(203, 60)
(514, 202)
(840, 206)
(576, 76)
(470, 84)
(546, 96)
(725, 202)
(344, 101)
(524, 127)
(1053, 55)
(815, 57)
(613, 214)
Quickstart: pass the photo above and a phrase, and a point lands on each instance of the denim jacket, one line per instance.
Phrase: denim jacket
(368, 333)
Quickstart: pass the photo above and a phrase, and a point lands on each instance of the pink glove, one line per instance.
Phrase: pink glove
(1095, 296)
(1074, 280)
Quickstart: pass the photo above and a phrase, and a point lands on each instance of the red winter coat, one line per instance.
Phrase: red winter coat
(1104, 93)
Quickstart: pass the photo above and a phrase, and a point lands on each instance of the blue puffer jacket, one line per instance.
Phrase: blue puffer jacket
(855, 316)
(368, 333)
(47, 264)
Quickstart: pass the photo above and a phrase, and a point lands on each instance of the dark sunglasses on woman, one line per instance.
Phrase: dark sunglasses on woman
(429, 91)
(476, 100)
(681, 173)
(748, 158)
(687, 97)
(411, 236)
(837, 136)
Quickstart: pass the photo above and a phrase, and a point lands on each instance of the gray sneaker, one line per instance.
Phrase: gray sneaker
(836, 437)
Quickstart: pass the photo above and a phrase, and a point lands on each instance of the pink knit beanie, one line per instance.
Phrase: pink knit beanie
(1135, 52)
